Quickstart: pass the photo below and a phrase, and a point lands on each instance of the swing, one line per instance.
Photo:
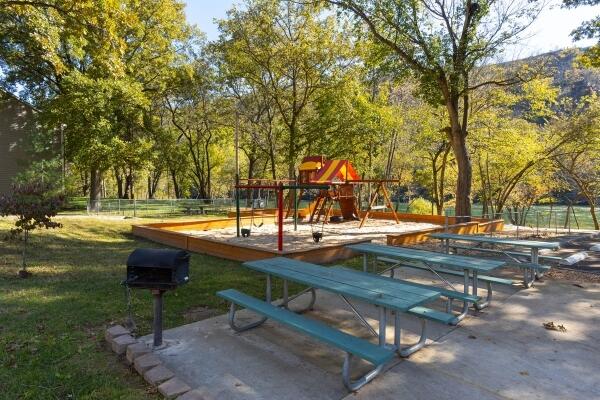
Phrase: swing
(244, 231)
(247, 231)
(258, 201)
(317, 236)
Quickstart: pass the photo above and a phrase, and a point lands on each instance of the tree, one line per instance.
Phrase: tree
(289, 52)
(443, 44)
(587, 30)
(434, 166)
(579, 160)
(197, 112)
(34, 204)
(68, 56)
(102, 116)
(503, 118)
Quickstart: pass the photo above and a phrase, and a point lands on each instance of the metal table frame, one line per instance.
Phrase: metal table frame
(529, 274)
(480, 305)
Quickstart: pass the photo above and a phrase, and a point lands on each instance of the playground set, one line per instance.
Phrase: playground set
(335, 182)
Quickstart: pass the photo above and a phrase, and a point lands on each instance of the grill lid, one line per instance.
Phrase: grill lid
(157, 258)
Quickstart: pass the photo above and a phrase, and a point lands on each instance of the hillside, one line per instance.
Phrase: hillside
(574, 82)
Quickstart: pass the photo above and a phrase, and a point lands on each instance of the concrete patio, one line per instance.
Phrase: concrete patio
(503, 352)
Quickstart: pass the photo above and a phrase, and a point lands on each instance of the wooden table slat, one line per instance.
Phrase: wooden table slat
(486, 239)
(431, 257)
(279, 268)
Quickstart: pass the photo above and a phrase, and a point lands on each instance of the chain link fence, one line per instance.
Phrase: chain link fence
(540, 218)
(151, 208)
(556, 219)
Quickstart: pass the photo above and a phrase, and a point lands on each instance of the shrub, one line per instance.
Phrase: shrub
(34, 204)
(420, 206)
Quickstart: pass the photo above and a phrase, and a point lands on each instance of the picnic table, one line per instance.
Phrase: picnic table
(471, 267)
(532, 269)
(194, 209)
(388, 296)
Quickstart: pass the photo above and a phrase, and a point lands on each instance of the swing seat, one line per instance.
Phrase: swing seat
(317, 236)
(245, 232)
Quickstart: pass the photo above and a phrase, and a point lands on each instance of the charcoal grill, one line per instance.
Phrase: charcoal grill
(158, 270)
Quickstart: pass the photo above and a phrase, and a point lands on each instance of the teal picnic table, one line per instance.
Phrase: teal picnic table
(470, 266)
(395, 296)
(531, 270)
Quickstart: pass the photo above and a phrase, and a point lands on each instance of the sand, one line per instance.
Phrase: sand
(265, 236)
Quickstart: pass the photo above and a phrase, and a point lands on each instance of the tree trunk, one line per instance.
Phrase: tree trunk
(465, 173)
(208, 168)
(273, 165)
(292, 149)
(86, 183)
(153, 179)
(594, 216)
(95, 188)
(23, 272)
(129, 189)
(119, 179)
(176, 188)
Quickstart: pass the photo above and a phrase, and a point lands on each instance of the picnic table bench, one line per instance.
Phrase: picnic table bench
(392, 296)
(352, 345)
(471, 267)
(531, 269)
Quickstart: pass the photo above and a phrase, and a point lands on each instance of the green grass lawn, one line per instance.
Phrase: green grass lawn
(52, 324)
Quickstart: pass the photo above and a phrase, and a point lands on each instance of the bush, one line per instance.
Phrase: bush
(34, 204)
(420, 206)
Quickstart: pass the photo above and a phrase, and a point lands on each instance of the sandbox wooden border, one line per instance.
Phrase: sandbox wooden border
(169, 233)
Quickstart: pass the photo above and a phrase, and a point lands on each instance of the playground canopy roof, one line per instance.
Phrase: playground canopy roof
(336, 171)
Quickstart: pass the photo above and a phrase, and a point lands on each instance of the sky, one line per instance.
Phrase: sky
(550, 32)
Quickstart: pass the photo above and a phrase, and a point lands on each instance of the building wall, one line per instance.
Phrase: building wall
(16, 122)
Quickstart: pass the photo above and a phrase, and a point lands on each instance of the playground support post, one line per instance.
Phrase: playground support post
(295, 194)
(237, 171)
(280, 218)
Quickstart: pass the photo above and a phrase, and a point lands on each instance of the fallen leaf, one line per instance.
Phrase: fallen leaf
(551, 326)
(524, 373)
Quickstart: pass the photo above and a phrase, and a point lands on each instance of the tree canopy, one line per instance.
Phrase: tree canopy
(408, 90)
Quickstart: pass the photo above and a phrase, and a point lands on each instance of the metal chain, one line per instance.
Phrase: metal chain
(130, 321)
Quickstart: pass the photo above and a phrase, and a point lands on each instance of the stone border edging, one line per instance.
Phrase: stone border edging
(140, 356)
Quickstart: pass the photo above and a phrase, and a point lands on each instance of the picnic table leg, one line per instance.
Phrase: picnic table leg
(529, 274)
(313, 299)
(465, 308)
(528, 277)
(466, 281)
(382, 325)
(285, 301)
(232, 310)
(365, 262)
(535, 258)
(480, 305)
(268, 290)
(407, 351)
(397, 330)
(447, 246)
(363, 380)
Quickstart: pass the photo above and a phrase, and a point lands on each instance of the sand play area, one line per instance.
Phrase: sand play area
(265, 236)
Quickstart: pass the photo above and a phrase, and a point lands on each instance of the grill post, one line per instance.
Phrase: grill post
(158, 314)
